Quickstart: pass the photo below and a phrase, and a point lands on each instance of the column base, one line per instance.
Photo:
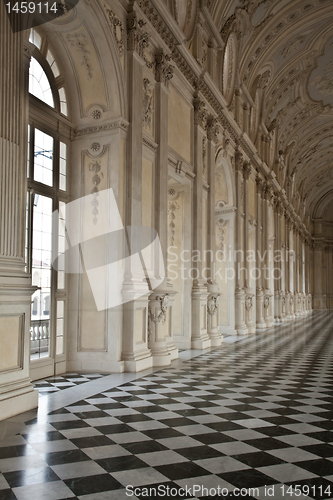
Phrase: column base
(201, 343)
(161, 359)
(18, 400)
(240, 325)
(260, 322)
(261, 325)
(141, 361)
(95, 366)
(242, 330)
(173, 351)
(200, 338)
(216, 340)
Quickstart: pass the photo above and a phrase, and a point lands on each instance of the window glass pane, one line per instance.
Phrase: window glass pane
(35, 38)
(63, 101)
(41, 276)
(62, 166)
(53, 65)
(39, 84)
(60, 327)
(43, 158)
(61, 245)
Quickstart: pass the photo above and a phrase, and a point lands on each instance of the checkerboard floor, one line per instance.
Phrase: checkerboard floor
(256, 414)
(61, 382)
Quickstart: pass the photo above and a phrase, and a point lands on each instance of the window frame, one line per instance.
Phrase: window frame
(57, 125)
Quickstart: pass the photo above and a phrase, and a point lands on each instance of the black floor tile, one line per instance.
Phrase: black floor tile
(92, 484)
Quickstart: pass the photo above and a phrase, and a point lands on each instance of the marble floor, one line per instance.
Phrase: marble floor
(250, 419)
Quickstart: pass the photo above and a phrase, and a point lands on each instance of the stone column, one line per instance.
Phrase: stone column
(135, 352)
(268, 198)
(260, 323)
(292, 258)
(16, 391)
(246, 118)
(329, 300)
(302, 273)
(278, 292)
(249, 296)
(161, 342)
(240, 325)
(200, 337)
(212, 287)
(238, 106)
(287, 265)
(318, 296)
(307, 276)
(298, 273)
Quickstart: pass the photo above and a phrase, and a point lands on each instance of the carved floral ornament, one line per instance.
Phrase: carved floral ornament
(213, 128)
(117, 28)
(137, 38)
(173, 206)
(200, 113)
(80, 41)
(163, 68)
(97, 177)
(247, 169)
(248, 302)
(212, 304)
(147, 102)
(155, 314)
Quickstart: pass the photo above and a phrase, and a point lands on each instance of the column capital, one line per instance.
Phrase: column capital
(137, 38)
(163, 70)
(279, 207)
(260, 184)
(268, 193)
(247, 169)
(28, 49)
(238, 160)
(200, 113)
(213, 126)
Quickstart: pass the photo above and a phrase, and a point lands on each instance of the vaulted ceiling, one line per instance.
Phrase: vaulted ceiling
(291, 42)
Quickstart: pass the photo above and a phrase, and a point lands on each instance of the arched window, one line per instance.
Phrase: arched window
(48, 150)
(39, 84)
(43, 66)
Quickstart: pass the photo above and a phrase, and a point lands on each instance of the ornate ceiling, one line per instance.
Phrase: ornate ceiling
(291, 42)
(284, 50)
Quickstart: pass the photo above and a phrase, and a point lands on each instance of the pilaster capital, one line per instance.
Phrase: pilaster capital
(238, 161)
(163, 70)
(260, 184)
(213, 126)
(247, 169)
(268, 193)
(319, 245)
(200, 113)
(137, 38)
(28, 49)
(279, 207)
